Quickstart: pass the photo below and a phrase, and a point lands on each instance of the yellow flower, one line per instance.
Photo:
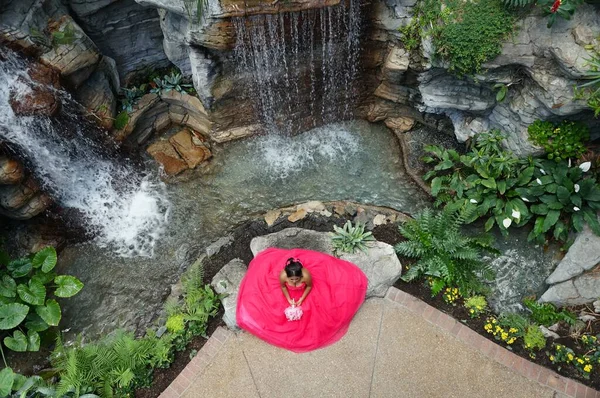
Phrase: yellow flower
(494, 320)
(587, 368)
(558, 347)
(513, 330)
(552, 357)
(570, 356)
(511, 340)
(504, 336)
(580, 360)
(471, 310)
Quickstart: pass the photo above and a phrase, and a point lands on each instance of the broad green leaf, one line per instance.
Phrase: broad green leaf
(501, 186)
(592, 220)
(11, 315)
(33, 340)
(489, 183)
(555, 205)
(577, 219)
(34, 294)
(69, 285)
(7, 377)
(541, 209)
(43, 277)
(45, 258)
(50, 312)
(19, 268)
(594, 194)
(489, 224)
(525, 176)
(563, 195)
(8, 300)
(8, 286)
(18, 341)
(436, 184)
(35, 322)
(576, 200)
(550, 220)
(539, 224)
(445, 165)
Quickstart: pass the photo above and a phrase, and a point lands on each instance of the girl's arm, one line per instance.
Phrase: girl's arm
(284, 288)
(307, 279)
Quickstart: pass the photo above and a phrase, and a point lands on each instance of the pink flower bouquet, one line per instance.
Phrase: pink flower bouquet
(293, 313)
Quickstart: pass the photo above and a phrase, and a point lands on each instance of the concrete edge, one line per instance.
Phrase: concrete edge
(198, 364)
(490, 349)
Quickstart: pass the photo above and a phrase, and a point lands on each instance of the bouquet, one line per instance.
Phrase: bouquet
(293, 313)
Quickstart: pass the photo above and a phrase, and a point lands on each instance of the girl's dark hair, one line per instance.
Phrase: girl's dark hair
(293, 267)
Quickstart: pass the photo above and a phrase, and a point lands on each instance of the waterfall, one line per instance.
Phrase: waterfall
(125, 210)
(300, 64)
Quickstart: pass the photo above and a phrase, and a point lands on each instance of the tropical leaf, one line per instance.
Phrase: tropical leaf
(35, 322)
(11, 315)
(8, 286)
(18, 341)
(33, 340)
(68, 285)
(34, 293)
(7, 377)
(45, 259)
(19, 268)
(50, 312)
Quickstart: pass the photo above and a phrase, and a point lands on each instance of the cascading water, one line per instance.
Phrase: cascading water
(311, 54)
(124, 210)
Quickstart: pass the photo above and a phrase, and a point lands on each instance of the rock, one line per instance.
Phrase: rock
(97, 94)
(596, 305)
(579, 290)
(587, 318)
(554, 327)
(192, 153)
(11, 171)
(271, 216)
(396, 63)
(583, 255)
(298, 215)
(310, 207)
(548, 333)
(379, 219)
(380, 264)
(164, 153)
(36, 205)
(144, 105)
(216, 247)
(75, 60)
(40, 98)
(443, 91)
(227, 281)
(400, 124)
(13, 197)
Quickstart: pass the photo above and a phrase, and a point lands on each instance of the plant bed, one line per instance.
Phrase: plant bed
(390, 234)
(162, 378)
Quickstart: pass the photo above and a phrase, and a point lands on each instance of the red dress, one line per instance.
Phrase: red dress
(338, 291)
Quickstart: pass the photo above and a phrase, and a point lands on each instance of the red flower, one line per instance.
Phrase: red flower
(555, 6)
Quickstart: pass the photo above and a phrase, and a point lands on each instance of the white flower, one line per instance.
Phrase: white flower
(585, 166)
(577, 188)
(538, 181)
(525, 199)
(506, 222)
(473, 201)
(516, 214)
(576, 208)
(542, 171)
(569, 162)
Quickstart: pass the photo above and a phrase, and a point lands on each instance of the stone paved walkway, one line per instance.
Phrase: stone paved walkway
(395, 347)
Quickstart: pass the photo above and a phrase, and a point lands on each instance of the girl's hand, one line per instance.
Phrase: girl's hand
(291, 302)
(299, 303)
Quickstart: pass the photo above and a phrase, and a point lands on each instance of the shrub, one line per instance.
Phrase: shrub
(25, 306)
(350, 238)
(562, 8)
(546, 313)
(562, 141)
(590, 91)
(486, 178)
(562, 198)
(443, 252)
(534, 339)
(476, 305)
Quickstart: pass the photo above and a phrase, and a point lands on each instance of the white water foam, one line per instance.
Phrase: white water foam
(284, 156)
(125, 211)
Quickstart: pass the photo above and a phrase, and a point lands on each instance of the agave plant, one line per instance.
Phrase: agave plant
(174, 81)
(563, 198)
(350, 238)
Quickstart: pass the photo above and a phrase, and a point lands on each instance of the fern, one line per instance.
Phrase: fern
(443, 252)
(518, 3)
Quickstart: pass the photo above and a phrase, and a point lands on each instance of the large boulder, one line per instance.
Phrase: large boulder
(583, 255)
(380, 263)
(11, 171)
(227, 282)
(584, 289)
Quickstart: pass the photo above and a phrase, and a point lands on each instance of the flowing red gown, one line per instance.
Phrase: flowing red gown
(339, 289)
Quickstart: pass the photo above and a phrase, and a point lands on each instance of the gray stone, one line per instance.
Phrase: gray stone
(549, 334)
(596, 305)
(227, 281)
(443, 91)
(583, 289)
(583, 255)
(380, 264)
(218, 245)
(97, 94)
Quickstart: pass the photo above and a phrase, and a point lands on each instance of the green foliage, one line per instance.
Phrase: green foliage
(121, 120)
(173, 81)
(24, 297)
(443, 252)
(65, 36)
(546, 313)
(476, 305)
(18, 386)
(518, 3)
(583, 363)
(109, 367)
(562, 141)
(515, 321)
(558, 8)
(132, 96)
(590, 91)
(350, 238)
(534, 339)
(486, 177)
(562, 198)
(502, 91)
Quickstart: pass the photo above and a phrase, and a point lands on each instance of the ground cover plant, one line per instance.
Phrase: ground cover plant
(561, 142)
(350, 238)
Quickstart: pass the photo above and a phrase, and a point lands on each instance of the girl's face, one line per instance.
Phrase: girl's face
(294, 280)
